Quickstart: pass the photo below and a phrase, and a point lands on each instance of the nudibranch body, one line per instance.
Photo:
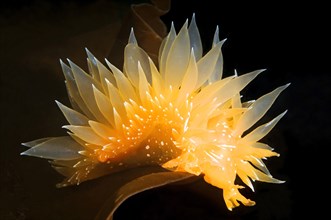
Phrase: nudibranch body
(181, 115)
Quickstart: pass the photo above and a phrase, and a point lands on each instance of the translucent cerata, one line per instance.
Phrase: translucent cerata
(181, 115)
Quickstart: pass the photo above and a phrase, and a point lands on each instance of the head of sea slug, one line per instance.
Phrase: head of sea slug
(181, 115)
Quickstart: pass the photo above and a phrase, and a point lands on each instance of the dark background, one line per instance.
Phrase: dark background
(290, 40)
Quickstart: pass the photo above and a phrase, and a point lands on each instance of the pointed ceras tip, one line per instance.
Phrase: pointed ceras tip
(94, 87)
(73, 66)
(235, 73)
(65, 126)
(172, 26)
(282, 88)
(59, 104)
(193, 22)
(282, 114)
(25, 145)
(69, 61)
(186, 23)
(216, 38)
(87, 51)
(63, 65)
(223, 41)
(90, 56)
(132, 38)
(256, 72)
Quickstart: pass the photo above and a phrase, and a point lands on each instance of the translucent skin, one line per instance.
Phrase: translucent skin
(182, 116)
(220, 155)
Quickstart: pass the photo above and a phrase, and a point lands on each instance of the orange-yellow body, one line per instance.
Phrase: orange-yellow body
(180, 115)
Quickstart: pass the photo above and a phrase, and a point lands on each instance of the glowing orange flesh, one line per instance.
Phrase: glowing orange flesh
(181, 116)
